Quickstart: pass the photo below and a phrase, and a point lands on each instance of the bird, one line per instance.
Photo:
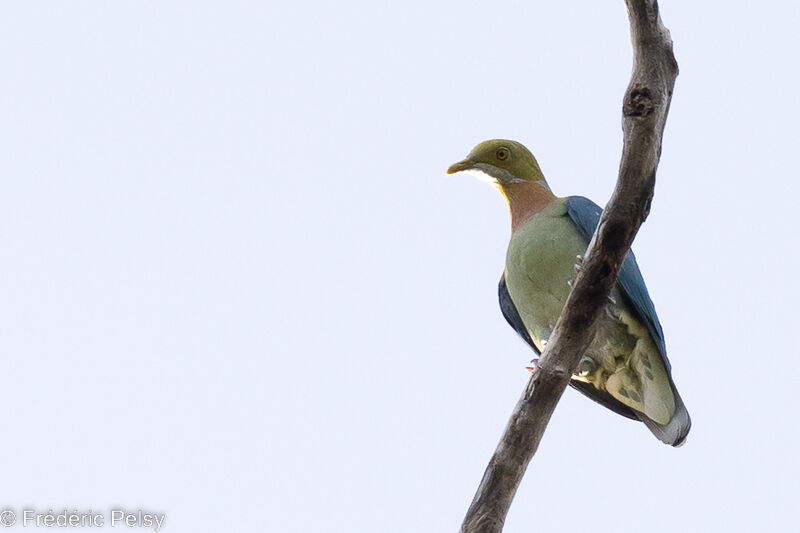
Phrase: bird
(625, 368)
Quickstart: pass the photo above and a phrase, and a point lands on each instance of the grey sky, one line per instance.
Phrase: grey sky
(238, 288)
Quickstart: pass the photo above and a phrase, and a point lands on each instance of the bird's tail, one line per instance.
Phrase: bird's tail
(674, 433)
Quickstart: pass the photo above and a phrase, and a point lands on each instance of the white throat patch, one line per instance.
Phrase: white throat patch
(496, 174)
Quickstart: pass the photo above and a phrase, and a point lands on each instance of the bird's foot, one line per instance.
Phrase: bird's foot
(586, 370)
(534, 366)
(578, 266)
(586, 366)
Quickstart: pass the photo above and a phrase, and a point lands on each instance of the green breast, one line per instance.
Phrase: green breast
(622, 359)
(539, 264)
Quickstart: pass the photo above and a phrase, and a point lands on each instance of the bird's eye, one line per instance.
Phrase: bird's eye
(502, 153)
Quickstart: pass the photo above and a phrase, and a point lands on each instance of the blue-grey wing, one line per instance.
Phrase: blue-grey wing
(512, 315)
(586, 215)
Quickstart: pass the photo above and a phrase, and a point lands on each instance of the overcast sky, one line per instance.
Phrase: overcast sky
(239, 289)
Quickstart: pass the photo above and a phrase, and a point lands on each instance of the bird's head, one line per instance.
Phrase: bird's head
(504, 162)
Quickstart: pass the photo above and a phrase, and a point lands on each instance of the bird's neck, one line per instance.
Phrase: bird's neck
(525, 199)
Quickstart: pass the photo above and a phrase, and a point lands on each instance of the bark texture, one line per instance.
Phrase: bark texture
(644, 110)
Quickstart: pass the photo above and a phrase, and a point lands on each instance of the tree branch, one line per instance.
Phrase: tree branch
(644, 111)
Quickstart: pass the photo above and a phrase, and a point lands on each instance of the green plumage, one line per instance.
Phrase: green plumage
(622, 359)
(626, 367)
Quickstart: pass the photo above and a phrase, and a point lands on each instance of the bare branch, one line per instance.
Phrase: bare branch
(644, 111)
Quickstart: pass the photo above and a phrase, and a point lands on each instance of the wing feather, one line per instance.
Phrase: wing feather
(586, 215)
(515, 321)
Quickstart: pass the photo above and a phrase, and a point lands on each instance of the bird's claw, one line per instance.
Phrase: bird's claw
(578, 266)
(534, 366)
